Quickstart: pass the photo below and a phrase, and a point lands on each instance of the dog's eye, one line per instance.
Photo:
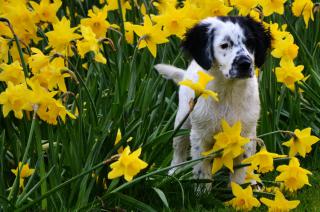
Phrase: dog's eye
(224, 45)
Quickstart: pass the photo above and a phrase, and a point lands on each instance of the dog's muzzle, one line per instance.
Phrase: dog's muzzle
(242, 67)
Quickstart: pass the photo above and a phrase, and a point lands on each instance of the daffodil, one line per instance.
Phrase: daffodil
(272, 6)
(293, 176)
(51, 76)
(301, 142)
(16, 98)
(4, 49)
(12, 73)
(113, 5)
(304, 8)
(285, 48)
(289, 74)
(278, 34)
(263, 160)
(214, 8)
(243, 198)
(38, 61)
(150, 35)
(97, 21)
(245, 6)
(46, 11)
(49, 108)
(175, 21)
(162, 5)
(90, 43)
(129, 34)
(22, 18)
(128, 165)
(61, 35)
(280, 203)
(14, 52)
(200, 86)
(251, 176)
(231, 142)
(118, 138)
(25, 172)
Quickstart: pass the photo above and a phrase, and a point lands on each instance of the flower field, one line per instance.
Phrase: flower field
(86, 123)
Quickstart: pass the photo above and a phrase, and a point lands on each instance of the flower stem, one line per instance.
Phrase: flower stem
(24, 159)
(192, 105)
(275, 132)
(55, 189)
(43, 185)
(24, 65)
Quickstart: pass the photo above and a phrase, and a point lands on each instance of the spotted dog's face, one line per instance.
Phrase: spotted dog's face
(234, 45)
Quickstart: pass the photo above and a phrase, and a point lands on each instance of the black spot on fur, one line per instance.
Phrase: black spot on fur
(198, 43)
(257, 38)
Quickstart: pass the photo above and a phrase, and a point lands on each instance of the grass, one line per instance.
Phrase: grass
(128, 94)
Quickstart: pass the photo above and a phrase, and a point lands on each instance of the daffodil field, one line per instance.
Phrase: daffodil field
(86, 123)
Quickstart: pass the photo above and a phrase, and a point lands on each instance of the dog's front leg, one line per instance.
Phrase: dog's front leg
(180, 143)
(239, 174)
(201, 142)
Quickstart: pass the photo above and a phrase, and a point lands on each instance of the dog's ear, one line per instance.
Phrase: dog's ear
(259, 41)
(198, 43)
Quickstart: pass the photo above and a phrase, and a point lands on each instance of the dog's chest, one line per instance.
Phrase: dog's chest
(238, 103)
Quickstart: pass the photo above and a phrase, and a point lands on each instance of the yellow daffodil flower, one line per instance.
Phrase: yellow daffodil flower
(245, 6)
(288, 73)
(38, 61)
(280, 203)
(162, 5)
(277, 33)
(263, 160)
(97, 21)
(25, 172)
(285, 49)
(129, 34)
(231, 142)
(12, 73)
(304, 8)
(49, 108)
(16, 98)
(118, 138)
(52, 76)
(113, 5)
(200, 86)
(293, 176)
(61, 35)
(22, 18)
(214, 8)
(244, 199)
(90, 43)
(4, 48)
(251, 176)
(175, 21)
(128, 165)
(272, 6)
(46, 11)
(150, 35)
(301, 143)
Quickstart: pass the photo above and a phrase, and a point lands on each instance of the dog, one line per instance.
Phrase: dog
(229, 48)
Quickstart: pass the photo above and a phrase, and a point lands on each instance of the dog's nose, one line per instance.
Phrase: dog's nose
(244, 64)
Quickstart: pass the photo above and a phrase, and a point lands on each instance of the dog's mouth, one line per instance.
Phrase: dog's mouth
(242, 67)
(235, 74)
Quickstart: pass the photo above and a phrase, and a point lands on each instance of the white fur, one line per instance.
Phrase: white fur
(238, 100)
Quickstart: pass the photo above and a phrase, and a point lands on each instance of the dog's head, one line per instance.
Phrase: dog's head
(231, 44)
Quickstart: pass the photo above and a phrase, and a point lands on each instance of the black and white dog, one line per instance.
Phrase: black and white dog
(229, 48)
